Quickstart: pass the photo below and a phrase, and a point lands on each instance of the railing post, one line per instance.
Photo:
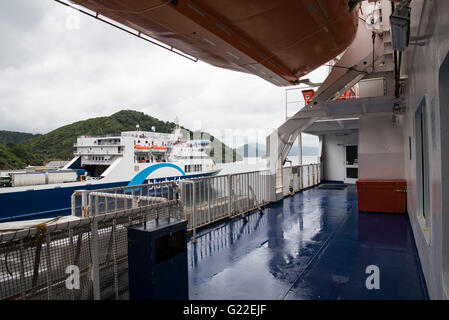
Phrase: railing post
(73, 203)
(247, 192)
(194, 211)
(229, 195)
(208, 200)
(114, 257)
(84, 204)
(135, 202)
(97, 205)
(319, 172)
(95, 260)
(308, 176)
(49, 267)
(313, 174)
(182, 197)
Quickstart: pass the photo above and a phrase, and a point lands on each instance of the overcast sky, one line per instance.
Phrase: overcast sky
(58, 67)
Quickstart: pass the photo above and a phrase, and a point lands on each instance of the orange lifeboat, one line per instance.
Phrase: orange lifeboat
(139, 147)
(279, 41)
(158, 148)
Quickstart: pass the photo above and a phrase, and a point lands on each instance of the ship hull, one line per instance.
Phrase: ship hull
(55, 201)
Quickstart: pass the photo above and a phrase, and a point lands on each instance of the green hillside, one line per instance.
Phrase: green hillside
(15, 137)
(58, 144)
(8, 160)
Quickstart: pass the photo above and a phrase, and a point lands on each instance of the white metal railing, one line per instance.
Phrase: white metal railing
(34, 259)
(87, 203)
(210, 199)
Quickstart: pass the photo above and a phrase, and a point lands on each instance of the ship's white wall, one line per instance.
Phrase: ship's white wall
(333, 156)
(430, 22)
(124, 170)
(381, 154)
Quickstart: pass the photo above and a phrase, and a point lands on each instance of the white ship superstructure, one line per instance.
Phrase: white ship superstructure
(107, 161)
(120, 157)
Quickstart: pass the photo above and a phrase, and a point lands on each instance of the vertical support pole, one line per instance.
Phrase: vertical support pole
(73, 203)
(95, 259)
(208, 199)
(135, 203)
(308, 176)
(318, 168)
(194, 211)
(97, 205)
(313, 175)
(72, 257)
(182, 196)
(49, 280)
(229, 195)
(247, 191)
(114, 256)
(286, 103)
(168, 187)
(84, 204)
(22, 272)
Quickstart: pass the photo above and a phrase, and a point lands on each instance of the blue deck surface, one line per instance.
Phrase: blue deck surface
(314, 245)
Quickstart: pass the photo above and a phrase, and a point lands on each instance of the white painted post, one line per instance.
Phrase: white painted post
(308, 176)
(208, 199)
(49, 269)
(95, 260)
(73, 203)
(229, 195)
(84, 204)
(194, 211)
(247, 190)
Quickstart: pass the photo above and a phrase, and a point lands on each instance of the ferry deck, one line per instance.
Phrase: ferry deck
(310, 242)
(314, 245)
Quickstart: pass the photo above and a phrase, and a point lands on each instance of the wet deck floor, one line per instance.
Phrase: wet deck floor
(313, 245)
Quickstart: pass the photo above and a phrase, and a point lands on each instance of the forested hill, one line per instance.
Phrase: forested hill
(15, 137)
(58, 144)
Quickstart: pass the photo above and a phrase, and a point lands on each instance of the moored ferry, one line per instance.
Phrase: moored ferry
(128, 158)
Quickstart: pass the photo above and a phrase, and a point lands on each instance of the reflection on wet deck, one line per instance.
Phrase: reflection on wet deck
(314, 245)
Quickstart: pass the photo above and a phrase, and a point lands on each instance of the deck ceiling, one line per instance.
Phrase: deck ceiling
(279, 41)
(335, 125)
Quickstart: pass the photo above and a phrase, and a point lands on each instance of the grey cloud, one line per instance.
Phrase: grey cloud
(52, 76)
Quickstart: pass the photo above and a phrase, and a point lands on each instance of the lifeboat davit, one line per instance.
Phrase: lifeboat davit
(279, 41)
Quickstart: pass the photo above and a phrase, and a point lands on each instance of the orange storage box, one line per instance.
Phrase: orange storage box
(382, 195)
